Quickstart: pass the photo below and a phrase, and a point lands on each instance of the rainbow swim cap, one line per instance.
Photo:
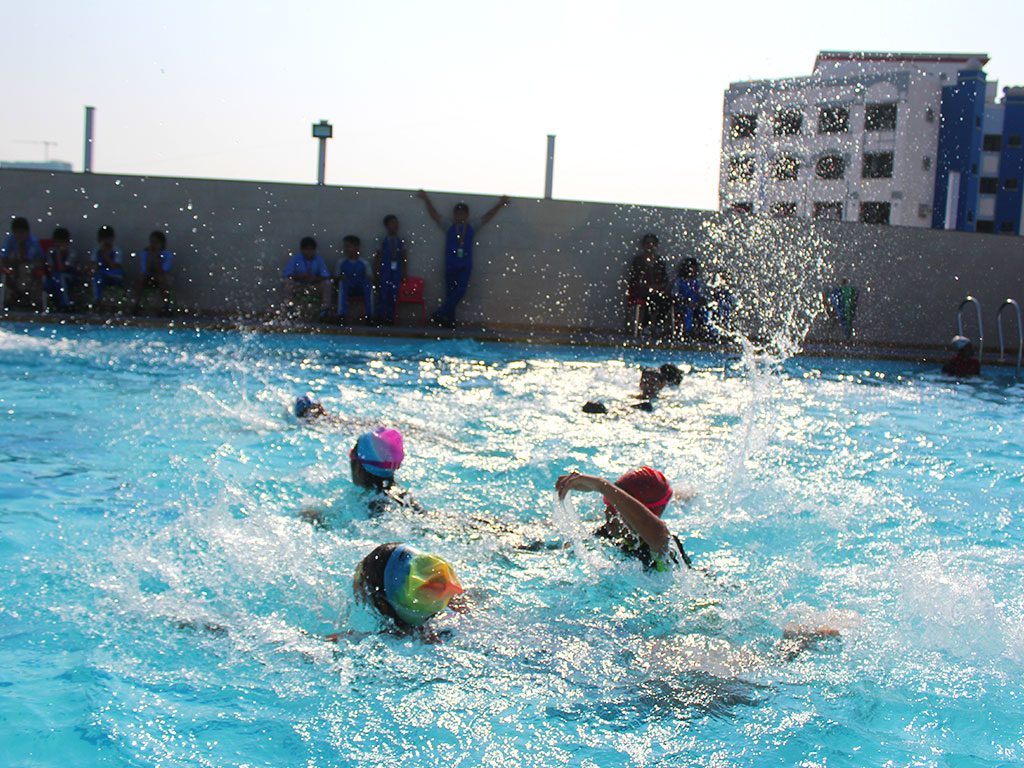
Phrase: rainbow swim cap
(406, 584)
(380, 452)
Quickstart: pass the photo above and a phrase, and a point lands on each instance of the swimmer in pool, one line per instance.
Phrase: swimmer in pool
(407, 588)
(652, 381)
(308, 409)
(634, 505)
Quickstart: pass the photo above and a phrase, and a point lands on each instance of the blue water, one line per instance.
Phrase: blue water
(150, 481)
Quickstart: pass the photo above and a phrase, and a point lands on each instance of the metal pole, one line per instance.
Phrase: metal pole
(322, 165)
(87, 163)
(549, 176)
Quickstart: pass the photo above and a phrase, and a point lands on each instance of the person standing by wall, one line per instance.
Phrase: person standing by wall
(458, 253)
(389, 269)
(842, 303)
(647, 283)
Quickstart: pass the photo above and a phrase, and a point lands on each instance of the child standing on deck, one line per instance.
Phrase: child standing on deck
(458, 254)
(353, 279)
(389, 268)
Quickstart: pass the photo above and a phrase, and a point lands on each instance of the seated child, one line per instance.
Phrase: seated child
(306, 271)
(689, 299)
(389, 267)
(154, 271)
(22, 262)
(61, 269)
(353, 280)
(107, 269)
(634, 505)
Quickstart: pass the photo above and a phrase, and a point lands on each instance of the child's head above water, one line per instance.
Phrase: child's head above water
(648, 486)
(405, 585)
(307, 408)
(376, 457)
(652, 381)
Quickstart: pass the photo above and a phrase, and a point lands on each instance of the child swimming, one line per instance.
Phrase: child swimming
(634, 505)
(407, 588)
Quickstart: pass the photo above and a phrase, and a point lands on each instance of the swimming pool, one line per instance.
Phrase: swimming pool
(151, 480)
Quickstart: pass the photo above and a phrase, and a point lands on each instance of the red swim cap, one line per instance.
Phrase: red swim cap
(647, 486)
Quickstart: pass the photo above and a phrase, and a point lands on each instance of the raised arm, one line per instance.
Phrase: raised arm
(502, 202)
(644, 523)
(431, 210)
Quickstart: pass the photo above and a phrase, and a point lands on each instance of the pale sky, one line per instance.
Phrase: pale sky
(443, 95)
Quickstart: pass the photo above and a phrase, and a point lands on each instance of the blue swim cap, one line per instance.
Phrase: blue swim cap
(303, 404)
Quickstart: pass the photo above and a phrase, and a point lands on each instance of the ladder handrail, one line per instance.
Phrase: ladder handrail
(1020, 332)
(960, 322)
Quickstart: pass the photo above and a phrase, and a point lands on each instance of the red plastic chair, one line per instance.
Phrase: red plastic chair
(411, 292)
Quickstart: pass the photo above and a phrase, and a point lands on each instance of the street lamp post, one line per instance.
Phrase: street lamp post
(322, 131)
(549, 175)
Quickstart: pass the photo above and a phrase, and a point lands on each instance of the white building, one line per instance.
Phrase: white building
(856, 140)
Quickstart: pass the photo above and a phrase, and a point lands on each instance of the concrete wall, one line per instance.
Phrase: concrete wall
(554, 264)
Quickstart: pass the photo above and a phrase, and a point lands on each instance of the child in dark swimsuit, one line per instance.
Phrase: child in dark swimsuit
(634, 505)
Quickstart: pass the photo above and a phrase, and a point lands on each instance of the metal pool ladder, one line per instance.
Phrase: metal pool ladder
(1020, 332)
(960, 322)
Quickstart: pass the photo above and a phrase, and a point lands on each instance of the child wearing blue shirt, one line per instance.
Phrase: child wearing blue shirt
(154, 271)
(389, 270)
(458, 254)
(307, 271)
(60, 269)
(353, 279)
(22, 261)
(108, 269)
(689, 298)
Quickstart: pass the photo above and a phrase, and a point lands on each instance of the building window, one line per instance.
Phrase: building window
(783, 210)
(992, 142)
(880, 117)
(830, 167)
(875, 213)
(833, 211)
(785, 167)
(877, 165)
(1013, 141)
(1007, 226)
(924, 211)
(985, 226)
(743, 126)
(741, 169)
(743, 207)
(926, 163)
(1010, 183)
(989, 185)
(788, 122)
(833, 120)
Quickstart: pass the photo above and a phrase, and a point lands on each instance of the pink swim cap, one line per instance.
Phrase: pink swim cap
(380, 452)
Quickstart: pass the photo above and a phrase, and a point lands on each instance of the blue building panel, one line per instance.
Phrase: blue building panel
(1011, 164)
(960, 142)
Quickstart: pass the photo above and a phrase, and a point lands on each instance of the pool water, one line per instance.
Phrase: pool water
(151, 483)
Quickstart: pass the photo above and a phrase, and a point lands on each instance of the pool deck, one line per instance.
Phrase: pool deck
(515, 335)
